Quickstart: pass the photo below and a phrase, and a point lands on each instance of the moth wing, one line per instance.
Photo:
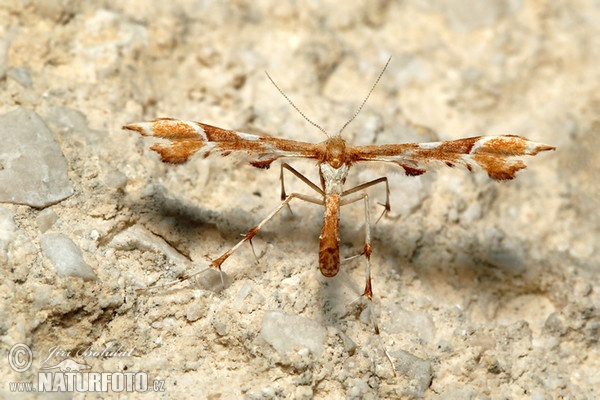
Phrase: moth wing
(494, 154)
(185, 139)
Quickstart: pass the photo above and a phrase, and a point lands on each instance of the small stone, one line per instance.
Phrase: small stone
(290, 333)
(33, 170)
(194, 312)
(115, 179)
(7, 228)
(466, 16)
(22, 75)
(506, 254)
(66, 257)
(358, 389)
(45, 219)
(349, 345)
(221, 328)
(138, 237)
(3, 57)
(417, 370)
(303, 393)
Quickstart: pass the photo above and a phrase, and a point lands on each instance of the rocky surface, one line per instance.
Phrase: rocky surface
(33, 170)
(482, 290)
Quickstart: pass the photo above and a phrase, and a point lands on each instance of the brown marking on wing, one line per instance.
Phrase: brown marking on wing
(366, 153)
(173, 129)
(410, 171)
(415, 153)
(167, 128)
(499, 168)
(188, 138)
(184, 139)
(329, 245)
(507, 145)
(492, 153)
(263, 164)
(447, 152)
(215, 134)
(460, 146)
(177, 152)
(229, 141)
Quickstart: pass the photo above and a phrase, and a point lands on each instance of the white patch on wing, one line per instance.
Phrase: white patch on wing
(481, 142)
(429, 146)
(247, 136)
(199, 130)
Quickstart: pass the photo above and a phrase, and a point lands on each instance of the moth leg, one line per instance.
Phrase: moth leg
(299, 176)
(353, 199)
(387, 207)
(179, 279)
(368, 292)
(216, 263)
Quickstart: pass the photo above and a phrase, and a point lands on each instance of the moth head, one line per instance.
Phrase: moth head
(336, 151)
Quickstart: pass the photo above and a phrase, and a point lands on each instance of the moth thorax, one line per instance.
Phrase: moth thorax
(333, 178)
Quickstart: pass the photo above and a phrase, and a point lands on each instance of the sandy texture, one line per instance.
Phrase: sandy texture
(482, 290)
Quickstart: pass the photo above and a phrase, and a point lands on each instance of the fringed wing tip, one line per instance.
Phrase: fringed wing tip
(495, 153)
(536, 147)
(141, 128)
(184, 139)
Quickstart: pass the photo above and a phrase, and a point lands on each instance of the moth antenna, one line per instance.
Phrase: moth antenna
(296, 108)
(366, 98)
